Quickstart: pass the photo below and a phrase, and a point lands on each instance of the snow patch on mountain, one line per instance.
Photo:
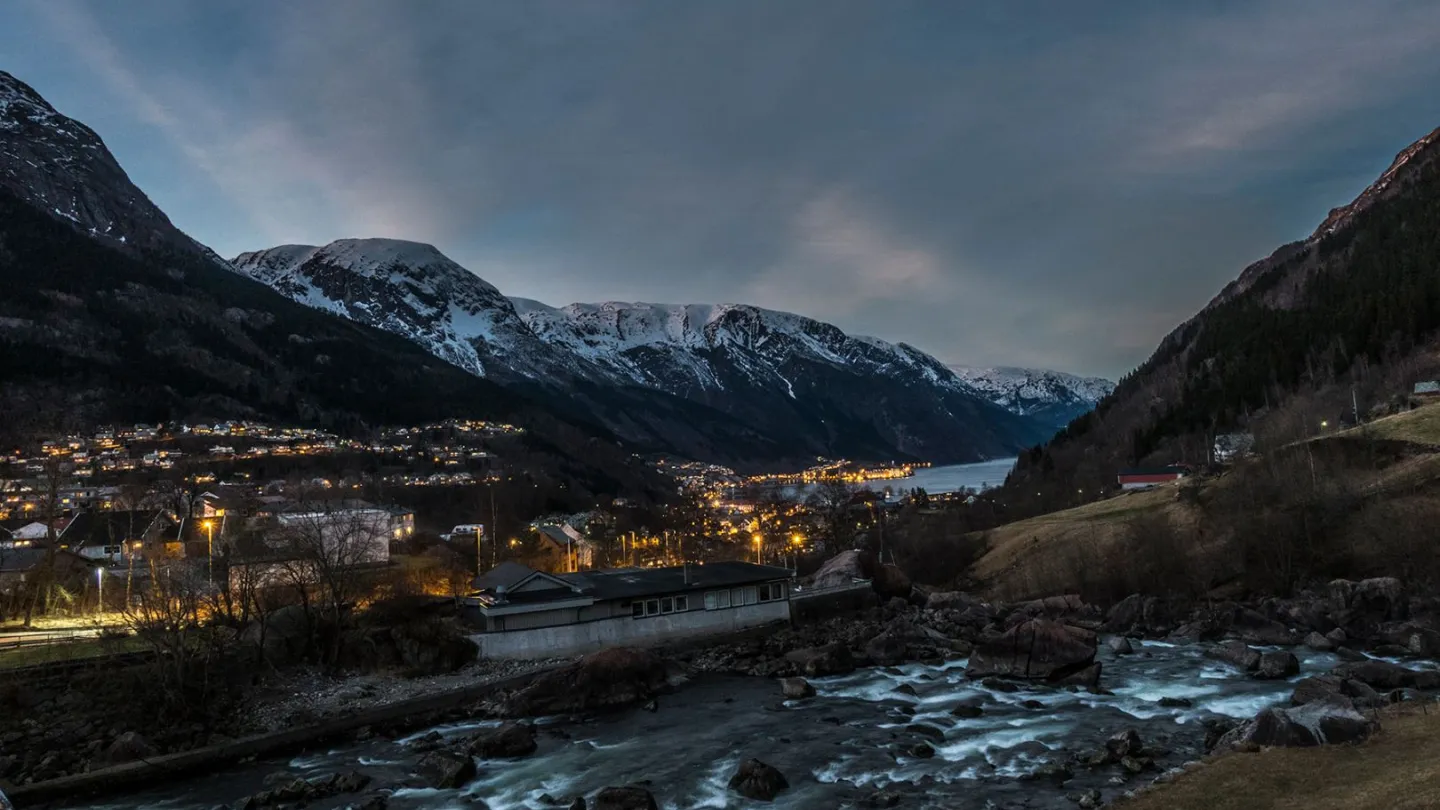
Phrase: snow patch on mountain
(1052, 395)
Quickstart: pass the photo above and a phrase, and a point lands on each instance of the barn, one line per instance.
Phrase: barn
(1144, 478)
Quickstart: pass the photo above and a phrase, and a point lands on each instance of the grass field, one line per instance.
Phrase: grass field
(69, 651)
(1420, 426)
(1014, 551)
(1397, 769)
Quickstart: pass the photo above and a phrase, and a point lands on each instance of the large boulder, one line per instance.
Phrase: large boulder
(1252, 627)
(1237, 653)
(1035, 649)
(508, 741)
(886, 649)
(1381, 675)
(1312, 724)
(892, 583)
(1069, 606)
(619, 676)
(1276, 665)
(128, 747)
(446, 770)
(1142, 615)
(756, 780)
(796, 688)
(1319, 643)
(629, 797)
(844, 569)
(832, 659)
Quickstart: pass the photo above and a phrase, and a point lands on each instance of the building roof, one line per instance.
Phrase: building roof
(505, 575)
(108, 528)
(1154, 471)
(24, 559)
(626, 583)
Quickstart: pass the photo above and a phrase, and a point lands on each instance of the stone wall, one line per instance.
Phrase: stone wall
(575, 639)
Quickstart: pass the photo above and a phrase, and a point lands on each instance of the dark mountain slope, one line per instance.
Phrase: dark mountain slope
(1279, 350)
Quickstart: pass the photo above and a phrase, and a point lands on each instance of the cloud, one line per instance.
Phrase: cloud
(1010, 182)
(842, 260)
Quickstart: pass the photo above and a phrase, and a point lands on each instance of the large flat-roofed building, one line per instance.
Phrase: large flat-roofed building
(526, 613)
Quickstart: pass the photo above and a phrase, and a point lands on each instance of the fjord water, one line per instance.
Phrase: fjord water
(836, 749)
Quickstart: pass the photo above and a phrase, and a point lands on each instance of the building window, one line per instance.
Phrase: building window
(682, 604)
(112, 550)
(667, 605)
(652, 607)
(637, 609)
(711, 601)
(744, 596)
(765, 592)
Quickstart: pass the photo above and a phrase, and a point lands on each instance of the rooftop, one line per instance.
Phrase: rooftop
(522, 584)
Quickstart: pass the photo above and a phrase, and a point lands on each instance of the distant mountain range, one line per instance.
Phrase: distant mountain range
(137, 319)
(799, 387)
(1052, 397)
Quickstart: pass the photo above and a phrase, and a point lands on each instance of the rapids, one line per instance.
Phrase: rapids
(836, 749)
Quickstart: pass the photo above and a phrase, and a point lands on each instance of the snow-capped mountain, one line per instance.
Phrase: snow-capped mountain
(661, 374)
(61, 167)
(1053, 397)
(410, 289)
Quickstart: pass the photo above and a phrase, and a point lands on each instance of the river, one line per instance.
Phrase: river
(836, 749)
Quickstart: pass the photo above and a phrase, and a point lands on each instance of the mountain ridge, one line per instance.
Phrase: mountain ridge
(804, 383)
(1346, 316)
(1056, 397)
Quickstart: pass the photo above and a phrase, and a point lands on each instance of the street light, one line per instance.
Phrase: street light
(99, 589)
(210, 549)
(758, 540)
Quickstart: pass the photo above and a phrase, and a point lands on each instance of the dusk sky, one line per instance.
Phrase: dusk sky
(1050, 184)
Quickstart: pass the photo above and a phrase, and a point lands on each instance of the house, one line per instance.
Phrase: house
(1427, 389)
(526, 614)
(115, 537)
(1144, 478)
(347, 535)
(567, 543)
(20, 565)
(21, 532)
(1230, 446)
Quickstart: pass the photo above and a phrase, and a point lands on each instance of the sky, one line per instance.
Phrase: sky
(1051, 184)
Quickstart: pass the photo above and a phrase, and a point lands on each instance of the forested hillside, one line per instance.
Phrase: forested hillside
(1345, 317)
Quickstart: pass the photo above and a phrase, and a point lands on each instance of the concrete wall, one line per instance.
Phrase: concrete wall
(575, 639)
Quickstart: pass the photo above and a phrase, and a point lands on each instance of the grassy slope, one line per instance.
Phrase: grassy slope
(1015, 548)
(1397, 769)
(1411, 472)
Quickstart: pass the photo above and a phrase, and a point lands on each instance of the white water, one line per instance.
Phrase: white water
(835, 749)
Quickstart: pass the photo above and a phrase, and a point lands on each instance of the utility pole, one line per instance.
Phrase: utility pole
(1355, 403)
(494, 530)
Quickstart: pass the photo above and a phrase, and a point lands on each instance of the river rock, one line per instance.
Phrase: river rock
(1253, 627)
(967, 710)
(926, 731)
(951, 600)
(1301, 726)
(508, 741)
(886, 649)
(1068, 606)
(445, 769)
(1034, 649)
(1089, 677)
(618, 676)
(1319, 643)
(1125, 743)
(1423, 642)
(756, 780)
(831, 659)
(629, 797)
(1237, 653)
(1176, 702)
(796, 688)
(1276, 665)
(921, 751)
(1377, 674)
(128, 747)
(1120, 645)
